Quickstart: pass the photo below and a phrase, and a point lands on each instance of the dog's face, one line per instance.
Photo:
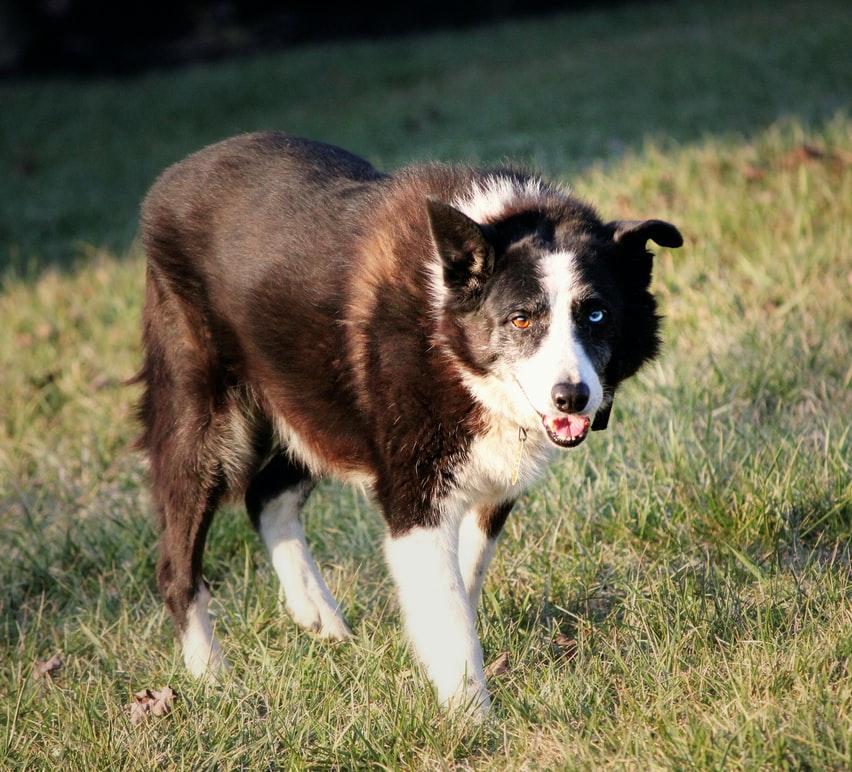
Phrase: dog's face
(548, 311)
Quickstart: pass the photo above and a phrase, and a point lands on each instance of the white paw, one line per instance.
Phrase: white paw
(317, 615)
(472, 701)
(202, 653)
(204, 659)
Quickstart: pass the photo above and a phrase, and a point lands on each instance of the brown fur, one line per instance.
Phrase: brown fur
(231, 352)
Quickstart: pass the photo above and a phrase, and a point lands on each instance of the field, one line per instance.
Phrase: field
(676, 593)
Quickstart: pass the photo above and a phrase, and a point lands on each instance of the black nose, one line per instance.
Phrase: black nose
(570, 397)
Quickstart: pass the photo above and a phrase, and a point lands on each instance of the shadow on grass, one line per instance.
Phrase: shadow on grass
(559, 93)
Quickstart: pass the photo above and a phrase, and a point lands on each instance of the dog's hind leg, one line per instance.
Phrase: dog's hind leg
(195, 436)
(188, 482)
(187, 496)
(478, 534)
(274, 500)
(202, 653)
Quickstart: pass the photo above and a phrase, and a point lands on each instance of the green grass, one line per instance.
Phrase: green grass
(699, 552)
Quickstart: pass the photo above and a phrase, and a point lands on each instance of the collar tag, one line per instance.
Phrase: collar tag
(516, 469)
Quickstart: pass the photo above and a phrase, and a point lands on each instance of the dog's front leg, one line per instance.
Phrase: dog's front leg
(478, 534)
(437, 612)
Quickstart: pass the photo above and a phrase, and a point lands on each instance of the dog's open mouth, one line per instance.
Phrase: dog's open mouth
(566, 431)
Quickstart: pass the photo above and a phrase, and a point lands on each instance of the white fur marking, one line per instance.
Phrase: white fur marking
(202, 654)
(236, 447)
(487, 200)
(309, 600)
(298, 449)
(518, 396)
(560, 358)
(438, 615)
(476, 551)
(487, 475)
(435, 282)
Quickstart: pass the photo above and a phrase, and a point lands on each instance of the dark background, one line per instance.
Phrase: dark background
(98, 98)
(98, 37)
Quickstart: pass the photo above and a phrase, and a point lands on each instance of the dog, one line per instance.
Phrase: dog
(435, 335)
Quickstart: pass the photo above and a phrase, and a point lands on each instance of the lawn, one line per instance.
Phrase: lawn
(676, 593)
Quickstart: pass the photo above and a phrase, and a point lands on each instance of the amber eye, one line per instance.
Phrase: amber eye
(521, 322)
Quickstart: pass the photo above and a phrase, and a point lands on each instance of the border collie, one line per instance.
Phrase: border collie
(434, 335)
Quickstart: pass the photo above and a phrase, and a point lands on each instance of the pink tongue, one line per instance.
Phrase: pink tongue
(570, 427)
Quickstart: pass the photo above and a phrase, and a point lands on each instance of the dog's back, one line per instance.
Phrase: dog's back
(268, 203)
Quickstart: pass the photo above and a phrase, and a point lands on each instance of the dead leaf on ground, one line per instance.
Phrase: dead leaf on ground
(44, 330)
(753, 173)
(498, 666)
(804, 154)
(157, 703)
(844, 157)
(46, 668)
(565, 646)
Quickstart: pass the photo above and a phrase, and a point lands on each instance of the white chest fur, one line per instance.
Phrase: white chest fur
(503, 463)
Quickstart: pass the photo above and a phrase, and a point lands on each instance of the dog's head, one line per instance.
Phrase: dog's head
(547, 309)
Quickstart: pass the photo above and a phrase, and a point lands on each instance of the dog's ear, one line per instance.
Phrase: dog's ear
(636, 233)
(464, 249)
(631, 237)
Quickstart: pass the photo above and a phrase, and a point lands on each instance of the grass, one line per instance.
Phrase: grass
(698, 552)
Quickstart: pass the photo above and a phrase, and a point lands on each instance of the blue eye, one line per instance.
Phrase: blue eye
(596, 316)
